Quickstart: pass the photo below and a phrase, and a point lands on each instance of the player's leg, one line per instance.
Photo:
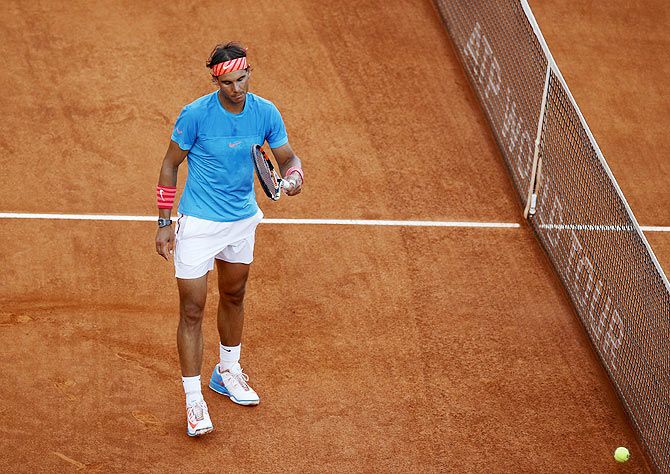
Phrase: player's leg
(192, 299)
(228, 377)
(232, 289)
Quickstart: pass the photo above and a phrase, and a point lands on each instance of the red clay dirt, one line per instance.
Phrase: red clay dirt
(397, 349)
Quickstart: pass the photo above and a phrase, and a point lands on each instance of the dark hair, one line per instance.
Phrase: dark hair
(225, 52)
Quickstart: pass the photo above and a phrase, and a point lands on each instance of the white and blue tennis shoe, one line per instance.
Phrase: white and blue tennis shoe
(233, 384)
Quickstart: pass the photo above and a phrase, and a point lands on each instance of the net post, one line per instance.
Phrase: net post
(531, 200)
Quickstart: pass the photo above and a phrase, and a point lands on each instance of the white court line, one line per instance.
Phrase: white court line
(589, 227)
(369, 222)
(393, 223)
(108, 217)
(610, 228)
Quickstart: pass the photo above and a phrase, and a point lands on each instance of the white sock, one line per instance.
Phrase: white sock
(228, 356)
(192, 389)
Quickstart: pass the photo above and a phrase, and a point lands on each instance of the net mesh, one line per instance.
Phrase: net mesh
(507, 97)
(582, 220)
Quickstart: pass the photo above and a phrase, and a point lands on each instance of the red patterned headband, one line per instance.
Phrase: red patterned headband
(229, 66)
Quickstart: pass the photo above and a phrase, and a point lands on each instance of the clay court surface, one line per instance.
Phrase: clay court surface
(374, 349)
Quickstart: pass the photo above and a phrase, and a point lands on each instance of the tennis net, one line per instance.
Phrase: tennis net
(573, 204)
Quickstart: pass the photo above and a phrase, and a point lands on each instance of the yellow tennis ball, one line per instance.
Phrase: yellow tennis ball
(621, 454)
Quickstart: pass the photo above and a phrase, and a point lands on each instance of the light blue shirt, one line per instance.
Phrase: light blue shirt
(220, 183)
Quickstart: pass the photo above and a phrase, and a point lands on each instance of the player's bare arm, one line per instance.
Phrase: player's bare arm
(288, 160)
(168, 178)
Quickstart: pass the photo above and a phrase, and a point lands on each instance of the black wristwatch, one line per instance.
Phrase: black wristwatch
(164, 222)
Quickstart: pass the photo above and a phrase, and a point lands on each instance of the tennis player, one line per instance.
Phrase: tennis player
(217, 218)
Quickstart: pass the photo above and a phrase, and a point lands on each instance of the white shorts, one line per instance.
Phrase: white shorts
(198, 242)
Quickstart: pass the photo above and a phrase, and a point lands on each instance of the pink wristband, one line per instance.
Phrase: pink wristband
(165, 196)
(295, 168)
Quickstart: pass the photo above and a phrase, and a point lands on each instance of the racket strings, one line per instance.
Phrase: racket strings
(266, 173)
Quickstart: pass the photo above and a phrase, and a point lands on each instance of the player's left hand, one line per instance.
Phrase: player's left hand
(294, 183)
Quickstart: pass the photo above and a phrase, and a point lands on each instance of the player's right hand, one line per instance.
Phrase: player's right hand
(294, 184)
(165, 241)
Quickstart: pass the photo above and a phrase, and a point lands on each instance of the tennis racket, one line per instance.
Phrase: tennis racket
(267, 176)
